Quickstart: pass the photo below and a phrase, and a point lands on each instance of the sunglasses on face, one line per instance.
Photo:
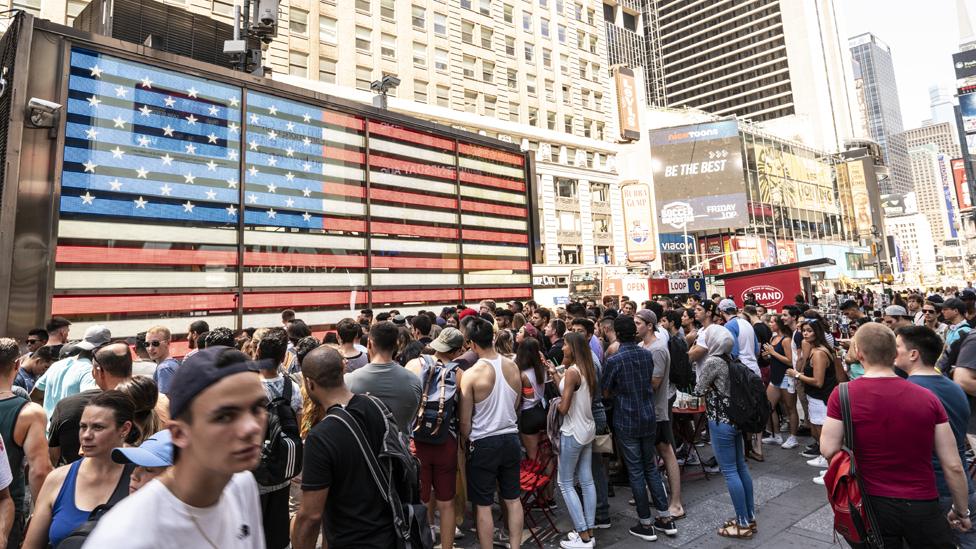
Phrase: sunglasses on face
(33, 341)
(154, 343)
(928, 311)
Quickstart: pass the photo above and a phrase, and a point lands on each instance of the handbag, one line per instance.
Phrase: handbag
(603, 444)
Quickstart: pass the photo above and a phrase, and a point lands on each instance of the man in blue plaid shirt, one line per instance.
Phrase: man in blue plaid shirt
(627, 379)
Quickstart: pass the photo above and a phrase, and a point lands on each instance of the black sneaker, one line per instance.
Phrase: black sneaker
(602, 524)
(666, 525)
(645, 533)
(811, 451)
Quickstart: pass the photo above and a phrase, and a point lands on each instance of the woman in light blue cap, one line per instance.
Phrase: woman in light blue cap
(151, 458)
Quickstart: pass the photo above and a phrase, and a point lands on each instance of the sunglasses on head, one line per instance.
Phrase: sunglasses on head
(154, 343)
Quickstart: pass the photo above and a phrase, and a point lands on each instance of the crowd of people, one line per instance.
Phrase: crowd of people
(393, 427)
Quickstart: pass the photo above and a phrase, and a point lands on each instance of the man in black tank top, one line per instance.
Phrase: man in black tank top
(22, 425)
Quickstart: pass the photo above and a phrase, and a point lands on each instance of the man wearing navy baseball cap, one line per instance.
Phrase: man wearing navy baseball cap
(209, 497)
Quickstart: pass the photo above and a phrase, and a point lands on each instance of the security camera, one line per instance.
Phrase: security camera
(390, 81)
(42, 106)
(267, 13)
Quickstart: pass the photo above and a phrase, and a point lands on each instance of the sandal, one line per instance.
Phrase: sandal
(735, 531)
(752, 525)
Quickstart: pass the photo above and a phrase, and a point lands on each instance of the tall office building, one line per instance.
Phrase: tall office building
(632, 40)
(929, 168)
(942, 135)
(874, 77)
(778, 62)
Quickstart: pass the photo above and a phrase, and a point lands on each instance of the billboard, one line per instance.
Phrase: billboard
(698, 178)
(965, 64)
(967, 107)
(853, 185)
(638, 222)
(677, 243)
(627, 104)
(791, 180)
(948, 190)
(965, 199)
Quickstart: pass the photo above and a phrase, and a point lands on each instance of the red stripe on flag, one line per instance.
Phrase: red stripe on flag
(344, 155)
(103, 304)
(299, 300)
(143, 256)
(409, 296)
(491, 181)
(387, 262)
(404, 134)
(492, 236)
(497, 293)
(339, 119)
(511, 211)
(342, 224)
(384, 227)
(404, 167)
(491, 264)
(491, 154)
(410, 198)
(267, 259)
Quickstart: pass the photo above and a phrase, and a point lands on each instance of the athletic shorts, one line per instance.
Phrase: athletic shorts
(532, 420)
(493, 462)
(438, 468)
(817, 409)
(664, 433)
(788, 385)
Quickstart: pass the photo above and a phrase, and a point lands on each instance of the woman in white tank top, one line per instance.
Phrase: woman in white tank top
(576, 438)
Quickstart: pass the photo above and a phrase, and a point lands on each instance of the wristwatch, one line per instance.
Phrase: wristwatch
(960, 515)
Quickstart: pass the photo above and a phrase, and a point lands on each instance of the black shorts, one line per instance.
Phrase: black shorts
(493, 462)
(664, 433)
(274, 511)
(532, 420)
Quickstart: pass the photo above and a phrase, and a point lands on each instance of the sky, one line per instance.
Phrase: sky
(922, 35)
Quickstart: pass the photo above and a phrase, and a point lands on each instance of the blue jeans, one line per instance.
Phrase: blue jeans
(574, 462)
(731, 456)
(600, 480)
(640, 457)
(965, 540)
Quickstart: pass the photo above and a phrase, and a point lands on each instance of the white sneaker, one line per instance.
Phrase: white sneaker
(790, 443)
(573, 541)
(775, 439)
(818, 461)
(819, 480)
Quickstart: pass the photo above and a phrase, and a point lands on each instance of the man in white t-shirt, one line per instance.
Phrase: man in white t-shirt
(746, 347)
(209, 498)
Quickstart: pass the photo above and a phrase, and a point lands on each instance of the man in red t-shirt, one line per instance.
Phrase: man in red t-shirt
(897, 426)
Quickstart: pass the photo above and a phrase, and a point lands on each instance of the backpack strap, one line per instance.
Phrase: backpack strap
(376, 471)
(286, 388)
(872, 535)
(429, 364)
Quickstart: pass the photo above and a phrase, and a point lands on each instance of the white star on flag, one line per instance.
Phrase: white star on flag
(92, 133)
(188, 207)
(307, 192)
(290, 176)
(272, 187)
(166, 190)
(211, 166)
(290, 203)
(140, 203)
(168, 131)
(290, 126)
(307, 141)
(167, 160)
(290, 151)
(254, 145)
(271, 213)
(273, 110)
(93, 101)
(142, 172)
(234, 102)
(192, 92)
(254, 118)
(212, 138)
(231, 210)
(272, 135)
(211, 195)
(146, 82)
(96, 72)
(90, 166)
(120, 91)
(232, 154)
(231, 183)
(169, 101)
(307, 216)
(145, 110)
(189, 178)
(191, 148)
(213, 110)
(253, 199)
(307, 118)
(272, 161)
(115, 184)
(232, 127)
(306, 167)
(253, 171)
(87, 198)
(191, 120)
(143, 141)
(118, 122)
(117, 152)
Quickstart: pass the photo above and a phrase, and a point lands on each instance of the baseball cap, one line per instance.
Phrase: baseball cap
(467, 312)
(647, 316)
(448, 340)
(203, 369)
(955, 304)
(935, 298)
(727, 305)
(155, 451)
(400, 320)
(95, 337)
(895, 310)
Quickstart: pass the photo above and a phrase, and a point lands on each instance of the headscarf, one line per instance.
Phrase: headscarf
(720, 342)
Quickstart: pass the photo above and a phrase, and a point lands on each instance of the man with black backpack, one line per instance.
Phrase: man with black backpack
(281, 456)
(435, 427)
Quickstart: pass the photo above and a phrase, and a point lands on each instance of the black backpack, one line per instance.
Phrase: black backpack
(436, 415)
(281, 453)
(748, 407)
(682, 376)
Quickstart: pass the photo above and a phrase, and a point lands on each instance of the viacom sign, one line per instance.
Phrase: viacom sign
(676, 243)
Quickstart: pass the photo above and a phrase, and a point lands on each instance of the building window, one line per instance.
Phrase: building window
(31, 6)
(569, 221)
(601, 193)
(564, 64)
(468, 62)
(486, 37)
(513, 79)
(298, 21)
(484, 6)
(543, 3)
(74, 7)
(364, 77)
(549, 91)
(509, 13)
(567, 94)
(327, 29)
(466, 4)
(595, 73)
(529, 52)
(566, 188)
(440, 59)
(593, 41)
(513, 112)
(362, 39)
(219, 7)
(547, 58)
(530, 84)
(443, 96)
(526, 21)
(630, 21)
(551, 120)
(544, 28)
(388, 10)
(327, 70)
(490, 104)
(510, 45)
(362, 6)
(569, 255)
(487, 71)
(298, 64)
(467, 32)
(609, 13)
(420, 91)
(440, 24)
(388, 46)
(599, 131)
(597, 100)
(561, 32)
(578, 12)
(559, 6)
(533, 116)
(419, 17)
(470, 101)
(420, 55)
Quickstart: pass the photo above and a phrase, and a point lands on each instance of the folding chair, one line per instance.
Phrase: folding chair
(536, 476)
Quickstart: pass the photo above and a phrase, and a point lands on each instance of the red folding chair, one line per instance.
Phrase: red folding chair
(536, 476)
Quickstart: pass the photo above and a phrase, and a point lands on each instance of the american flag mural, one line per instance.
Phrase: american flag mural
(185, 198)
